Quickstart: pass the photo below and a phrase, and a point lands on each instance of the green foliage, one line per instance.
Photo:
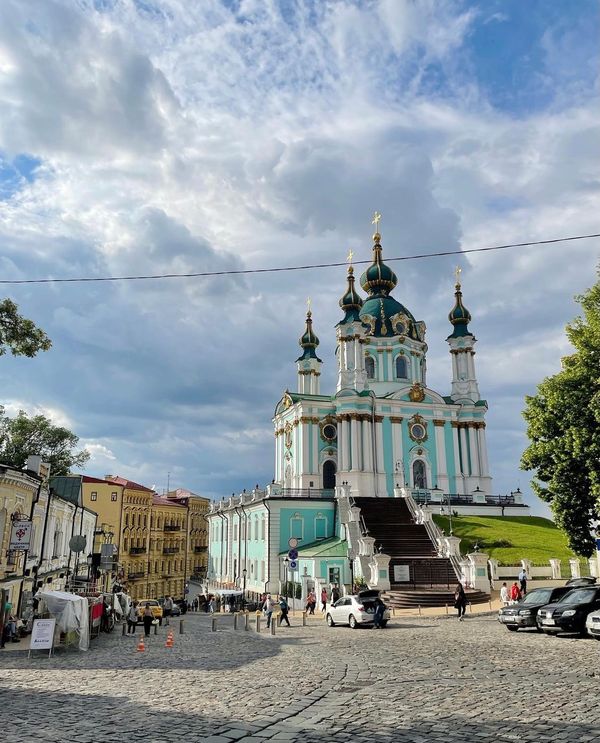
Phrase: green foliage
(564, 432)
(291, 590)
(19, 335)
(24, 435)
(509, 539)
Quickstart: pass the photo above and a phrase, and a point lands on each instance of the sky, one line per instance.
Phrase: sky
(167, 136)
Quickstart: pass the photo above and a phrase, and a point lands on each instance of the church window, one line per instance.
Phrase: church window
(263, 529)
(401, 367)
(235, 532)
(370, 367)
(320, 527)
(297, 526)
(262, 570)
(419, 475)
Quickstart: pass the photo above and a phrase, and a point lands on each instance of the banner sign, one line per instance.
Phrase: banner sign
(20, 535)
(401, 573)
(42, 634)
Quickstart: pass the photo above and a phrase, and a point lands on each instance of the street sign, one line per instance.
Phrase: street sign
(293, 565)
(292, 543)
(20, 535)
(77, 543)
(293, 554)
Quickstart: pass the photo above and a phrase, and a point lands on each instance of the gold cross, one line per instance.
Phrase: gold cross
(350, 257)
(457, 273)
(376, 220)
(308, 304)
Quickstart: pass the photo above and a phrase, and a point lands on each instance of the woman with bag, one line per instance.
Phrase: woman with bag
(460, 601)
(148, 619)
(132, 618)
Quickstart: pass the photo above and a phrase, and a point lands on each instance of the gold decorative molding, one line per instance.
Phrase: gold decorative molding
(439, 422)
(396, 419)
(417, 392)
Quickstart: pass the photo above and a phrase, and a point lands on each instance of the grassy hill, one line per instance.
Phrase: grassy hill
(508, 539)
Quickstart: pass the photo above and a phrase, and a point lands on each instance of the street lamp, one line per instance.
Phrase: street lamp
(89, 560)
(244, 573)
(286, 562)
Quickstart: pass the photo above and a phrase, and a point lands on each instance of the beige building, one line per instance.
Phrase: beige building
(197, 531)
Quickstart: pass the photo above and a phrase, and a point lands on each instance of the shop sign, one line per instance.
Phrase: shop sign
(20, 535)
(42, 634)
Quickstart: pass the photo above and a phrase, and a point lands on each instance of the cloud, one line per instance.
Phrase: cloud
(180, 137)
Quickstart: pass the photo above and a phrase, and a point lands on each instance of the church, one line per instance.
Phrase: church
(358, 473)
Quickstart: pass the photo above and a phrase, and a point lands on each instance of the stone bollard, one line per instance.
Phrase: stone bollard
(156, 629)
(258, 624)
(446, 609)
(304, 619)
(490, 603)
(419, 609)
(123, 630)
(246, 620)
(235, 620)
(213, 627)
(470, 608)
(273, 624)
(181, 626)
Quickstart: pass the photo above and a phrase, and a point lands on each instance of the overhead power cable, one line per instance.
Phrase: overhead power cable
(279, 269)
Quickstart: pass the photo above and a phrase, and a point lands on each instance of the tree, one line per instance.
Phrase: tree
(19, 335)
(24, 435)
(563, 426)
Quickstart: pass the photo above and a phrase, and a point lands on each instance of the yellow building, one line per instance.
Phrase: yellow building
(168, 548)
(106, 499)
(197, 532)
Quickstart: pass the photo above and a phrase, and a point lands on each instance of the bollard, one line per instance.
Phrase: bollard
(490, 602)
(419, 609)
(258, 624)
(470, 608)
(156, 629)
(246, 620)
(213, 624)
(446, 609)
(304, 619)
(393, 611)
(123, 631)
(273, 624)
(181, 626)
(235, 620)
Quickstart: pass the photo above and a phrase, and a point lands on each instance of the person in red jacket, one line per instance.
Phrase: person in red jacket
(515, 592)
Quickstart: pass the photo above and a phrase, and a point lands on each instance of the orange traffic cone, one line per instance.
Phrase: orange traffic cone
(169, 642)
(141, 647)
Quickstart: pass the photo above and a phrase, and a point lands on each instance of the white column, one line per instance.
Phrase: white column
(367, 446)
(379, 446)
(397, 450)
(474, 451)
(314, 442)
(457, 468)
(465, 454)
(342, 444)
(305, 449)
(485, 465)
(356, 346)
(354, 443)
(440, 445)
(388, 362)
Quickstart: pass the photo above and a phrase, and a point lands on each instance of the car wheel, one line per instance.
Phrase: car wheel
(511, 629)
(330, 622)
(352, 621)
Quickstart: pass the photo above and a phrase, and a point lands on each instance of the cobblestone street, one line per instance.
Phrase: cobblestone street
(421, 679)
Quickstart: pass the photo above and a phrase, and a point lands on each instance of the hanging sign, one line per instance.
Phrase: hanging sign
(20, 535)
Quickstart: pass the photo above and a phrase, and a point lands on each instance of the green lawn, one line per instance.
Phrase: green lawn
(508, 539)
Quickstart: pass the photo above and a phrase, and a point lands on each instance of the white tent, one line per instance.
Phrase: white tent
(71, 612)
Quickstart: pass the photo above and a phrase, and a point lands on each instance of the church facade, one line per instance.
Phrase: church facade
(382, 431)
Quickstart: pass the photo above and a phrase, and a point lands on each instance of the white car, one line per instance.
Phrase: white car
(355, 610)
(592, 624)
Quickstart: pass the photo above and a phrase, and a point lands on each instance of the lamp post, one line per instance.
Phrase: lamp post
(244, 573)
(286, 562)
(89, 560)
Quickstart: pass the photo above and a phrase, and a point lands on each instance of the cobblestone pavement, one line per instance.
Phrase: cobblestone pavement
(419, 680)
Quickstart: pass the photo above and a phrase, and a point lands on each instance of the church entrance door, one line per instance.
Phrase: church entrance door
(329, 471)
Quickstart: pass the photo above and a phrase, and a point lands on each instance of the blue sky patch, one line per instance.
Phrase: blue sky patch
(15, 173)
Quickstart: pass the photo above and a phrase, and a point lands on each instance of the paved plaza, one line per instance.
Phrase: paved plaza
(421, 679)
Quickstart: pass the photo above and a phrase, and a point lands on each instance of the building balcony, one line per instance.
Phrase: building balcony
(137, 550)
(200, 549)
(172, 527)
(170, 550)
(135, 576)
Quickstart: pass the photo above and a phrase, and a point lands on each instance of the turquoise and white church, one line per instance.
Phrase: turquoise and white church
(382, 433)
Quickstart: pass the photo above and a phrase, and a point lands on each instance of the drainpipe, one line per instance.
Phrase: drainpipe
(26, 552)
(268, 571)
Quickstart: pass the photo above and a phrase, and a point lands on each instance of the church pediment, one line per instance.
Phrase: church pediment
(417, 393)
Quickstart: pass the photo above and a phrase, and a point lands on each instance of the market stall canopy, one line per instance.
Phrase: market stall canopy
(71, 612)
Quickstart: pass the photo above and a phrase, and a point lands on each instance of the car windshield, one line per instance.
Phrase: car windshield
(579, 596)
(538, 597)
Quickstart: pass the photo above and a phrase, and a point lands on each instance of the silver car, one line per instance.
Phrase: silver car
(355, 610)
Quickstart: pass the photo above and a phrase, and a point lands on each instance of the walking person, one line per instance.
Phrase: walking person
(460, 601)
(211, 604)
(335, 594)
(523, 581)
(147, 618)
(324, 600)
(132, 618)
(504, 595)
(378, 615)
(515, 592)
(167, 609)
(268, 608)
(311, 602)
(284, 608)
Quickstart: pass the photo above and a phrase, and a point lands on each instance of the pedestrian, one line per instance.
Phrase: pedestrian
(231, 604)
(212, 604)
(523, 581)
(132, 618)
(504, 595)
(379, 613)
(167, 609)
(268, 608)
(460, 601)
(335, 594)
(311, 602)
(148, 619)
(515, 592)
(283, 617)
(324, 599)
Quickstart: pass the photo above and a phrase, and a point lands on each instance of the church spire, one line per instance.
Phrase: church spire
(462, 341)
(308, 364)
(459, 316)
(378, 280)
(351, 301)
(308, 340)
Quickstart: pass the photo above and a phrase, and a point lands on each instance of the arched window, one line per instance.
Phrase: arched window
(419, 475)
(370, 367)
(297, 526)
(328, 475)
(401, 367)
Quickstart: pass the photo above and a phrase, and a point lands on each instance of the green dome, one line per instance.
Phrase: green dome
(459, 316)
(351, 302)
(387, 317)
(378, 279)
(308, 341)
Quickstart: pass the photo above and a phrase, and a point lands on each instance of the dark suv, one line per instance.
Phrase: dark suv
(524, 612)
(569, 614)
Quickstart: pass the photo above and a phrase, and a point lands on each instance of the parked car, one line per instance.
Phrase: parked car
(355, 610)
(577, 582)
(569, 614)
(157, 611)
(592, 624)
(524, 612)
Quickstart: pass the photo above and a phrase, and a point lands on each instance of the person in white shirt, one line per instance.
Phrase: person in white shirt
(523, 581)
(504, 595)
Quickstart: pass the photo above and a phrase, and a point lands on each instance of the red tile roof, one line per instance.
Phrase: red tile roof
(161, 501)
(130, 484)
(87, 478)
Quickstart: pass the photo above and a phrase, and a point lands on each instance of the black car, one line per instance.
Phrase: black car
(569, 614)
(578, 582)
(524, 612)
